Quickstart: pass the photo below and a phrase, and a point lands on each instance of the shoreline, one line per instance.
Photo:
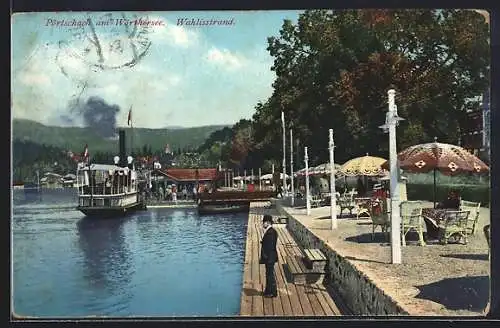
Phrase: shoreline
(172, 206)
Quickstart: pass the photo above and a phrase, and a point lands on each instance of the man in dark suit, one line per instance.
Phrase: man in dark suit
(269, 255)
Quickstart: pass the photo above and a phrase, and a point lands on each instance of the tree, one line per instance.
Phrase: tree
(334, 68)
(242, 143)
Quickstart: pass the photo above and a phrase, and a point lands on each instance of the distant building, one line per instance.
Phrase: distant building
(185, 177)
(51, 180)
(69, 180)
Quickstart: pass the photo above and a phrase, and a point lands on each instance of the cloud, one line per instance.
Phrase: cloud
(224, 58)
(186, 74)
(32, 78)
(173, 35)
(180, 36)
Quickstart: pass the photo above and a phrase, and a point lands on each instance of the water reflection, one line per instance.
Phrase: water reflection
(151, 263)
(107, 261)
(27, 196)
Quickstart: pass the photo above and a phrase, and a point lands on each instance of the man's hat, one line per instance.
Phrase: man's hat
(267, 218)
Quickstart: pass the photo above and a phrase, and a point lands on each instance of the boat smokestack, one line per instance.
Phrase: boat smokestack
(123, 152)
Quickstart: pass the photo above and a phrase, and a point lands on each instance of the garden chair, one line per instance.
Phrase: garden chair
(454, 223)
(363, 208)
(379, 216)
(474, 208)
(412, 220)
(316, 201)
(346, 202)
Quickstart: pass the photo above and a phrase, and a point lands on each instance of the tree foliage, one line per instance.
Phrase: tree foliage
(334, 69)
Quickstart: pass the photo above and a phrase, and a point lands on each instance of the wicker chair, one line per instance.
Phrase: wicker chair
(473, 208)
(346, 201)
(412, 220)
(454, 223)
(363, 208)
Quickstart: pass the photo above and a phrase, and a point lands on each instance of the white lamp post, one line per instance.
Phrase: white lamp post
(260, 181)
(291, 168)
(244, 179)
(333, 198)
(284, 153)
(272, 171)
(308, 200)
(391, 121)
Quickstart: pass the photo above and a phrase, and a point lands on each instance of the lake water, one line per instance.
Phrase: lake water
(160, 262)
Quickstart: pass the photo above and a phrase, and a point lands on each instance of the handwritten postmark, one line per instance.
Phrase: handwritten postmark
(111, 41)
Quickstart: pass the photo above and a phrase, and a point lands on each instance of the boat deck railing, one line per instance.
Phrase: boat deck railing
(105, 191)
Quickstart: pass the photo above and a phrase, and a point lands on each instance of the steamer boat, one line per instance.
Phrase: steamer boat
(109, 190)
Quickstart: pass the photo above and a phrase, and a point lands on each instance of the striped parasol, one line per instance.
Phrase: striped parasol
(323, 169)
(435, 156)
(446, 158)
(301, 172)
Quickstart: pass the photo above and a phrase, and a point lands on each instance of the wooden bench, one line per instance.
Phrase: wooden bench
(280, 220)
(298, 273)
(314, 259)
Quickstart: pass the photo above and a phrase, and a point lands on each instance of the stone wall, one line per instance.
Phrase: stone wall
(357, 291)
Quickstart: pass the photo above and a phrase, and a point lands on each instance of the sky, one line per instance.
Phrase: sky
(188, 76)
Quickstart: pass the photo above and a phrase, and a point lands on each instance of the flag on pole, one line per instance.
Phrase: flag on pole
(85, 154)
(129, 121)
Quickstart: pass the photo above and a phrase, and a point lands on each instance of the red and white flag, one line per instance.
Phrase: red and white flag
(86, 153)
(129, 121)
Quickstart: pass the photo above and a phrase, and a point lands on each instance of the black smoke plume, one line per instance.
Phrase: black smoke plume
(98, 115)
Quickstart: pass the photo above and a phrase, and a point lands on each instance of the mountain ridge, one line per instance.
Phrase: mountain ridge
(75, 138)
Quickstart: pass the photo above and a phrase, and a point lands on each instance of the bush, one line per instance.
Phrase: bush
(473, 193)
(441, 179)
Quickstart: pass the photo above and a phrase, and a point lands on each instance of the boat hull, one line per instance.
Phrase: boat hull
(221, 209)
(109, 211)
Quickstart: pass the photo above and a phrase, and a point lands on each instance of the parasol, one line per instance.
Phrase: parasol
(365, 165)
(251, 178)
(301, 172)
(268, 176)
(435, 156)
(323, 169)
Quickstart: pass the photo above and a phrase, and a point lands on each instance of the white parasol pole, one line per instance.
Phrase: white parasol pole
(308, 200)
(272, 171)
(260, 181)
(333, 198)
(291, 168)
(284, 152)
(394, 172)
(244, 178)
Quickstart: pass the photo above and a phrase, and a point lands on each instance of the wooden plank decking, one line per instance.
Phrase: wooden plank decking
(293, 299)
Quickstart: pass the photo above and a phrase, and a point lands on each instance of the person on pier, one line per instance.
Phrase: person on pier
(195, 191)
(269, 255)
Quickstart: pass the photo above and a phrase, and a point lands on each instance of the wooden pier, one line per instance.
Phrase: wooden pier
(293, 299)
